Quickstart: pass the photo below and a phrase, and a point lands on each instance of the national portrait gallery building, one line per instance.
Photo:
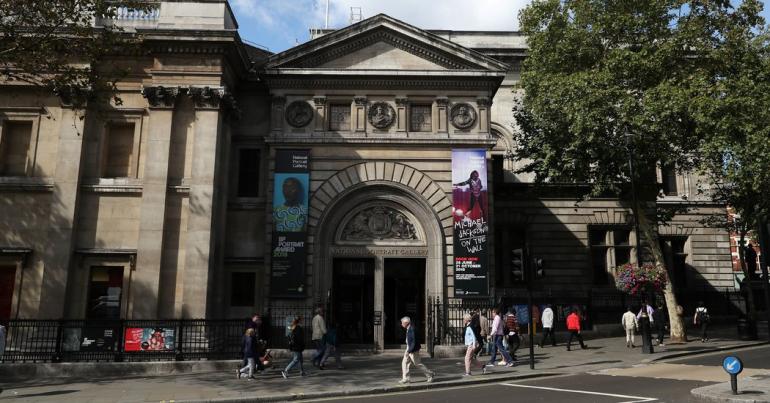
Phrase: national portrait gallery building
(367, 170)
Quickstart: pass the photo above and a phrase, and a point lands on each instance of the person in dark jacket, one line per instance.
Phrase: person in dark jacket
(412, 353)
(296, 346)
(512, 333)
(330, 343)
(248, 348)
(660, 318)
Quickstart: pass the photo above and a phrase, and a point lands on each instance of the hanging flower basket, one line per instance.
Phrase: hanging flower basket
(635, 280)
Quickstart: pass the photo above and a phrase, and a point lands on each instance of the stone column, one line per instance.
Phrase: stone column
(276, 113)
(200, 223)
(359, 114)
(402, 118)
(441, 114)
(379, 302)
(320, 112)
(483, 105)
(57, 255)
(146, 279)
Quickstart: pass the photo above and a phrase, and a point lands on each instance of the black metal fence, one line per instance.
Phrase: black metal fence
(85, 340)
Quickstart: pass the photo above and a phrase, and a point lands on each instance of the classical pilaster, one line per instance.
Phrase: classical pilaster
(442, 105)
(359, 114)
(379, 302)
(276, 113)
(200, 224)
(402, 108)
(57, 254)
(320, 112)
(146, 279)
(484, 112)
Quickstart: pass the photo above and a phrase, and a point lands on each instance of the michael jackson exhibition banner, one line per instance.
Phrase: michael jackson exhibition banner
(469, 207)
(290, 206)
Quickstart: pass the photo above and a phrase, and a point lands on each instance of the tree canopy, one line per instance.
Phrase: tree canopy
(60, 45)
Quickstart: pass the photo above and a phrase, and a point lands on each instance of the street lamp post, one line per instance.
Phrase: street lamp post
(644, 319)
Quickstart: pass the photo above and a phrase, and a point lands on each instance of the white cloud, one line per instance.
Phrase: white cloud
(290, 20)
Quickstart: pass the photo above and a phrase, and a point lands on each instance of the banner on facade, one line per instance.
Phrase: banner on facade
(470, 211)
(149, 339)
(290, 207)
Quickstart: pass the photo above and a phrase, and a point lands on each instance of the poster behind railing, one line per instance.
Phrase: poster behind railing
(149, 339)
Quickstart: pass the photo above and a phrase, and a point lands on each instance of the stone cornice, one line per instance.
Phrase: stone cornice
(487, 84)
(391, 141)
(203, 97)
(160, 96)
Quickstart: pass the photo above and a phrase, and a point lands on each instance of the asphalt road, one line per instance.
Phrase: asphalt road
(583, 388)
(756, 357)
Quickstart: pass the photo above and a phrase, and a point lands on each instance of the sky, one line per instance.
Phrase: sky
(280, 24)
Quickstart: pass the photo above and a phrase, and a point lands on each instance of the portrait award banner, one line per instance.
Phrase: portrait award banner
(290, 206)
(469, 208)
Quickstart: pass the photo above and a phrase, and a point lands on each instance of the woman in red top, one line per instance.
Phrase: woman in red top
(573, 325)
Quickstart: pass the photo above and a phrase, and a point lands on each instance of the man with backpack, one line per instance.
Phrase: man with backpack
(702, 319)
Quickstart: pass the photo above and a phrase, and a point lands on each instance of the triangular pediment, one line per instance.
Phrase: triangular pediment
(382, 56)
(383, 43)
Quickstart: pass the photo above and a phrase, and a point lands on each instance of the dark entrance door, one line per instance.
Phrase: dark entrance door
(404, 296)
(353, 300)
(7, 279)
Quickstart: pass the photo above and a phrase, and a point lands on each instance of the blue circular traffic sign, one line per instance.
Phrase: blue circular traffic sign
(732, 365)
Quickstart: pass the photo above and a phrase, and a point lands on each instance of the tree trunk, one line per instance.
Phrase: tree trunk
(751, 311)
(649, 233)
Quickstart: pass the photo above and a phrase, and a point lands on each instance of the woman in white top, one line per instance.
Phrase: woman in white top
(701, 318)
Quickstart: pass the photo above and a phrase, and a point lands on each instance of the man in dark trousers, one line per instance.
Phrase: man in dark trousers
(750, 256)
(573, 325)
(512, 333)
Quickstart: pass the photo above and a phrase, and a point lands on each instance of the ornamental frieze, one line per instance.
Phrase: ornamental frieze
(381, 115)
(462, 116)
(379, 223)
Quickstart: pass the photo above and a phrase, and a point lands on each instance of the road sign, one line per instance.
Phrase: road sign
(732, 365)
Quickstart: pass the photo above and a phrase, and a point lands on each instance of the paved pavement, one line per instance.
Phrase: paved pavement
(369, 374)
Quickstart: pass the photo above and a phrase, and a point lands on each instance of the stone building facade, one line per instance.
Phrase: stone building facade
(162, 207)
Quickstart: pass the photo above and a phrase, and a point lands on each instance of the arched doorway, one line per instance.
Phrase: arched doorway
(379, 255)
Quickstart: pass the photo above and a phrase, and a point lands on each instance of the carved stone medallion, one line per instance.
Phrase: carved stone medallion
(462, 115)
(379, 223)
(299, 114)
(381, 115)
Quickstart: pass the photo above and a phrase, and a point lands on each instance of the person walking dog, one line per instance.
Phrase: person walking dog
(412, 354)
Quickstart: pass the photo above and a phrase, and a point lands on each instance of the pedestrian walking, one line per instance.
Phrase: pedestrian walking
(330, 341)
(497, 334)
(412, 354)
(484, 326)
(648, 309)
(296, 346)
(471, 345)
(547, 320)
(248, 348)
(254, 323)
(750, 257)
(660, 319)
(319, 330)
(630, 324)
(702, 319)
(573, 326)
(512, 333)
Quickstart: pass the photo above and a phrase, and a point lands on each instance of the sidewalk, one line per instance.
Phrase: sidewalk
(362, 375)
(750, 390)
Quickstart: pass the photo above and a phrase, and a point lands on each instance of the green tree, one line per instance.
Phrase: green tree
(734, 121)
(62, 45)
(603, 77)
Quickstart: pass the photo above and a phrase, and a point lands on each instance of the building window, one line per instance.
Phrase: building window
(248, 172)
(339, 117)
(118, 151)
(105, 290)
(420, 118)
(14, 148)
(668, 177)
(610, 248)
(242, 287)
(674, 252)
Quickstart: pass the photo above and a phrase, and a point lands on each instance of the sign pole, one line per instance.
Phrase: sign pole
(733, 366)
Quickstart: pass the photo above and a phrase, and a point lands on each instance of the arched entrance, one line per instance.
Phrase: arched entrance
(379, 253)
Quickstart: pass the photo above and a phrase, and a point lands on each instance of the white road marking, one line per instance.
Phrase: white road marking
(636, 399)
